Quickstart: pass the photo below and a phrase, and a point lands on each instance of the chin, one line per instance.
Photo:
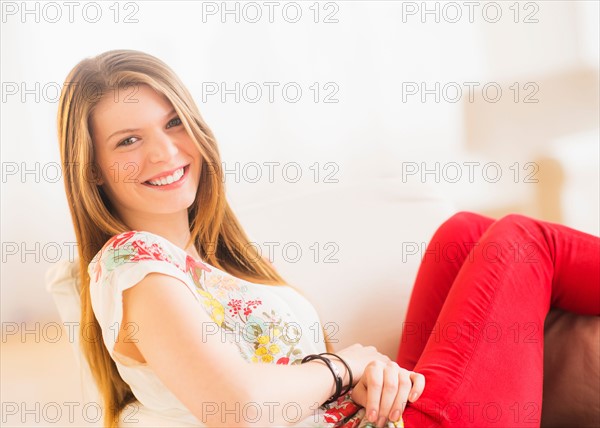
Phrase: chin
(186, 203)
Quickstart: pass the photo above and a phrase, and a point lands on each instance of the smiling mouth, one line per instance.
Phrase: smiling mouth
(168, 179)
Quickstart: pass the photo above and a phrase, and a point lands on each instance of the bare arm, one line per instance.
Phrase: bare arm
(207, 374)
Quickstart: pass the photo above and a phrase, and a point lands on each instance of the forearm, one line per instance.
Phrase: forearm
(286, 394)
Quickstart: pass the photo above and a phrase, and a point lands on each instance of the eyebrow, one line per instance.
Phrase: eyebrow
(125, 131)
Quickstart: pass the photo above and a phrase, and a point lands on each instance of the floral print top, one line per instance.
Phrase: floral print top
(267, 324)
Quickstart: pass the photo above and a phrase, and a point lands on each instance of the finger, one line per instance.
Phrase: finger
(389, 391)
(359, 393)
(374, 382)
(400, 400)
(404, 388)
(418, 385)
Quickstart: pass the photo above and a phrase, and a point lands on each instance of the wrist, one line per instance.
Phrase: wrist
(333, 388)
(346, 384)
(343, 372)
(333, 368)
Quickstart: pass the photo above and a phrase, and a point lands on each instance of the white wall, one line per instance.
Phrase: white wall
(373, 49)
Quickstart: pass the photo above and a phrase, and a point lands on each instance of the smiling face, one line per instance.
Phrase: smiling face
(150, 166)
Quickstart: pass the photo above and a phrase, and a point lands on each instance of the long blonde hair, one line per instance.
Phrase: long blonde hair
(215, 230)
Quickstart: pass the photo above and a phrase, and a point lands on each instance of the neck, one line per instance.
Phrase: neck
(173, 227)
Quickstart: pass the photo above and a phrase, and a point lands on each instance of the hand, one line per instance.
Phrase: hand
(385, 389)
(358, 357)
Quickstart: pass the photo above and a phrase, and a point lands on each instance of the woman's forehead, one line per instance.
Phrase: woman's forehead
(132, 93)
(132, 100)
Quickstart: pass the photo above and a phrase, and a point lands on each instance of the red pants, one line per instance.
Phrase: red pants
(475, 323)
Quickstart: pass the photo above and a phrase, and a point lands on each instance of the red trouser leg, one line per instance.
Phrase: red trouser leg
(483, 361)
(445, 254)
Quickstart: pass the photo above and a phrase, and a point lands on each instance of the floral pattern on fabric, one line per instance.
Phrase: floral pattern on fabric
(268, 336)
(344, 413)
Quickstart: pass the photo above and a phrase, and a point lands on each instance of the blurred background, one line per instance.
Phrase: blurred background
(493, 104)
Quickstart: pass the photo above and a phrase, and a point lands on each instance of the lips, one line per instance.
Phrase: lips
(167, 178)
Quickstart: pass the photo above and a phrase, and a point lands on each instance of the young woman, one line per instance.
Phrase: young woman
(199, 329)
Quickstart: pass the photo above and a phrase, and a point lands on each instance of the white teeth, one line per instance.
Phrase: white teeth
(163, 181)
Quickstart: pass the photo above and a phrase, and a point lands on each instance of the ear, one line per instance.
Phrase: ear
(95, 174)
(97, 178)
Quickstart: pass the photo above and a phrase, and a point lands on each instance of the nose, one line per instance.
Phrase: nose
(161, 148)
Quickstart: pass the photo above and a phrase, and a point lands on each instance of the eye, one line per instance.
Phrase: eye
(174, 122)
(127, 142)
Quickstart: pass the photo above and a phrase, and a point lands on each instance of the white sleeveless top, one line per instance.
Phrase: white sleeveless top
(279, 325)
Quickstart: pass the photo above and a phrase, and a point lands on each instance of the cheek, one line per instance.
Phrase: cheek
(111, 191)
(101, 165)
(117, 178)
(122, 170)
(192, 151)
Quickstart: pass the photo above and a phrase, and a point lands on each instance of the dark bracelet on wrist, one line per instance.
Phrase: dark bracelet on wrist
(334, 370)
(350, 384)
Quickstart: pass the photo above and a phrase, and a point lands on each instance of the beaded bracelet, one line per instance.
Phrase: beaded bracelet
(344, 391)
(334, 371)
